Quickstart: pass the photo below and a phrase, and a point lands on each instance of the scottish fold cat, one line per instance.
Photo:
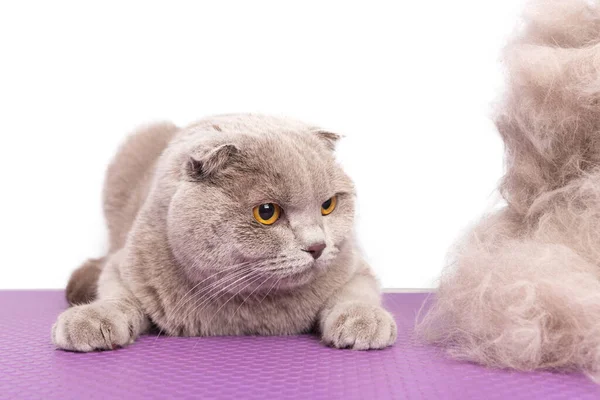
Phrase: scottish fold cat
(237, 224)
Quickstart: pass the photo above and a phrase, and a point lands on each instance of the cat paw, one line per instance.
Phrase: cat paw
(91, 327)
(359, 327)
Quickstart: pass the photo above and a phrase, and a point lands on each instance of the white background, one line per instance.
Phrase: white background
(408, 83)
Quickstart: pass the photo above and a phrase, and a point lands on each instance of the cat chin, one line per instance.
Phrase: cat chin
(296, 280)
(280, 281)
(304, 275)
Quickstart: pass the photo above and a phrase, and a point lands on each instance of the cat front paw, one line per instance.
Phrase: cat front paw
(91, 327)
(359, 326)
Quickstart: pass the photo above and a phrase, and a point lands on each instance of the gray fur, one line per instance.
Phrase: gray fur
(187, 255)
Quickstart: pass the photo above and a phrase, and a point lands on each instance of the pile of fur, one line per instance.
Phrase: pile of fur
(522, 289)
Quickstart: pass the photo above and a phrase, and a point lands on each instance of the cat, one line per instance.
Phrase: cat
(236, 225)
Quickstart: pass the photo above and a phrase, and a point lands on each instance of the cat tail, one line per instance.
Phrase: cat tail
(83, 283)
(522, 288)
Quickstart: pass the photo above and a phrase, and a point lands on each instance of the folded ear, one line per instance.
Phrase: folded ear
(210, 163)
(328, 138)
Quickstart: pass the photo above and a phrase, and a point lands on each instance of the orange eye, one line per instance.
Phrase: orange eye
(328, 207)
(266, 213)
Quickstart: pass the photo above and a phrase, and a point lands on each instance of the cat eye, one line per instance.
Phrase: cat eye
(328, 207)
(266, 213)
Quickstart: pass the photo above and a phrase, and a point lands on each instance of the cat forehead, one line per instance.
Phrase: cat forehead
(290, 166)
(293, 167)
(286, 150)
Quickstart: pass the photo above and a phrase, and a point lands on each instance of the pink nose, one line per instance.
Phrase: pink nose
(315, 250)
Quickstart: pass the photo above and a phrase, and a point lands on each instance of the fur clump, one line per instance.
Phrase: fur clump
(522, 289)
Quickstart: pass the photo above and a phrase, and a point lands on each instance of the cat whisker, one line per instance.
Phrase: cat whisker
(235, 266)
(187, 297)
(216, 295)
(209, 290)
(269, 291)
(213, 292)
(254, 279)
(221, 292)
(247, 297)
(301, 266)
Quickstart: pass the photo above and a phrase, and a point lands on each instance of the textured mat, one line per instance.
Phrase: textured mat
(248, 367)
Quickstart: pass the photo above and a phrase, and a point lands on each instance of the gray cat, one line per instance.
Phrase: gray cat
(238, 224)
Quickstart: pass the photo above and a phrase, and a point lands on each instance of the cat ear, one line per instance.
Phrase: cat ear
(329, 138)
(208, 164)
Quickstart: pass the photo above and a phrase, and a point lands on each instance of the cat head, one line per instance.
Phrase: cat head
(268, 207)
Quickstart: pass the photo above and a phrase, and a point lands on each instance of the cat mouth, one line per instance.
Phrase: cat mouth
(294, 279)
(284, 273)
(304, 267)
(290, 272)
(290, 276)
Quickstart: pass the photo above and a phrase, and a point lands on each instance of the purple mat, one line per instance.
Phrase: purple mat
(248, 367)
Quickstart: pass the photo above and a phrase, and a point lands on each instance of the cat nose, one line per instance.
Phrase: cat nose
(316, 249)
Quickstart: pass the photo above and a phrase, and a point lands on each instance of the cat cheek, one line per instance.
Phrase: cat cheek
(258, 241)
(339, 228)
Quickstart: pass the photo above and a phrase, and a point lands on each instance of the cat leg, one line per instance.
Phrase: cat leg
(114, 320)
(354, 318)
